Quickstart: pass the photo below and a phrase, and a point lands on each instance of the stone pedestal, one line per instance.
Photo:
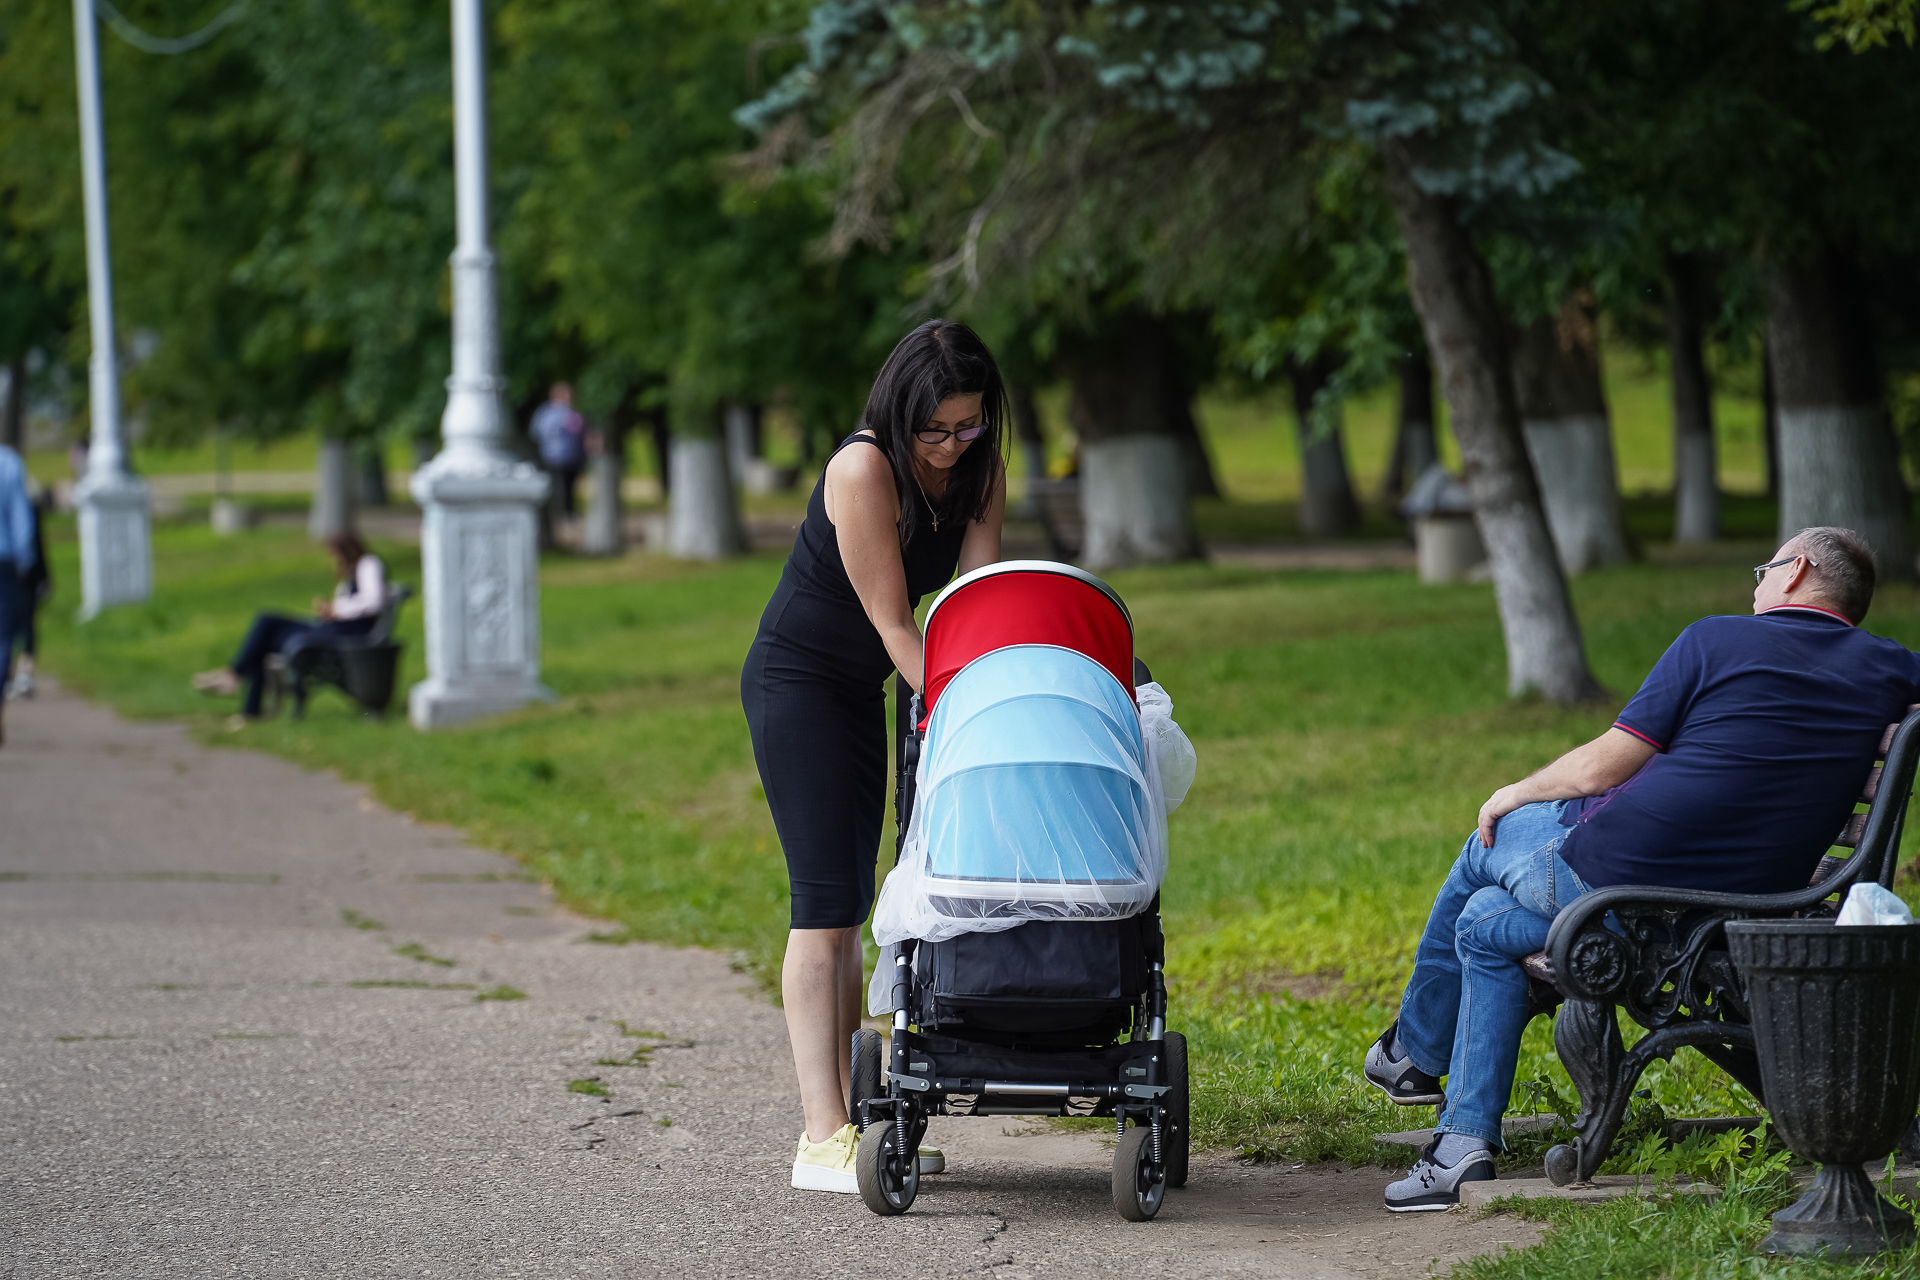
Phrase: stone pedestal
(479, 554)
(116, 550)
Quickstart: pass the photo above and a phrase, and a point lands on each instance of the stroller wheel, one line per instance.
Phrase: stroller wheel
(888, 1182)
(1178, 1111)
(868, 1049)
(1137, 1186)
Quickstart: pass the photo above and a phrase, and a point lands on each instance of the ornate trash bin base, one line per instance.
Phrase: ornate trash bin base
(1841, 1215)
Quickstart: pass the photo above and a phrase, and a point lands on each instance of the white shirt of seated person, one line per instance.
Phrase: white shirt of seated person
(365, 595)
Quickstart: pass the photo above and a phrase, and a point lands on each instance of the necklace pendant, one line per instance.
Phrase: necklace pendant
(936, 524)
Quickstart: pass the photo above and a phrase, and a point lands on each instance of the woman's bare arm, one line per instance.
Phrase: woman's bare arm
(1589, 770)
(864, 510)
(982, 543)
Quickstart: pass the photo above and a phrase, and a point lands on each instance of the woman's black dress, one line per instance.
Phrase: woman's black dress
(814, 689)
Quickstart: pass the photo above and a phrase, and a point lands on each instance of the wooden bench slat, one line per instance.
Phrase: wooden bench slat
(1872, 788)
(1850, 834)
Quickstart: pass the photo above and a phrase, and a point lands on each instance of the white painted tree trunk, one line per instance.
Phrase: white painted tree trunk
(333, 484)
(1573, 458)
(1696, 506)
(1696, 489)
(1453, 293)
(1133, 499)
(1838, 461)
(704, 523)
(742, 448)
(602, 533)
(1838, 466)
(371, 488)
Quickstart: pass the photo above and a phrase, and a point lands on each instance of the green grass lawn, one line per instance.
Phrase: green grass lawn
(1348, 727)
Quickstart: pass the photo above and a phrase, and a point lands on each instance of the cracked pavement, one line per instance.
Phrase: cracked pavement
(230, 1045)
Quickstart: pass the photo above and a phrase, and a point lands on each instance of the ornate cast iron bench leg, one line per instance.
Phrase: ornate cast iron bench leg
(1586, 1035)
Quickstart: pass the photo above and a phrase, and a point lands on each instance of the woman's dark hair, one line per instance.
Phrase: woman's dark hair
(939, 359)
(347, 550)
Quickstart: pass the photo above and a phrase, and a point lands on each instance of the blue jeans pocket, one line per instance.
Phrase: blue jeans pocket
(1550, 881)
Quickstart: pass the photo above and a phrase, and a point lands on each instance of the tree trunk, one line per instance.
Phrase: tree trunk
(1839, 464)
(1466, 335)
(703, 521)
(1129, 408)
(1033, 447)
(1414, 447)
(372, 491)
(1134, 503)
(603, 532)
(1769, 423)
(662, 449)
(16, 422)
(1556, 374)
(1327, 505)
(1696, 492)
(332, 510)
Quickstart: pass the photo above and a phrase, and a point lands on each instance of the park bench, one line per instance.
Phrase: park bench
(1661, 955)
(363, 667)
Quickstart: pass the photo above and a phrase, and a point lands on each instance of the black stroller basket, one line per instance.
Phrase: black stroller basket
(1048, 1018)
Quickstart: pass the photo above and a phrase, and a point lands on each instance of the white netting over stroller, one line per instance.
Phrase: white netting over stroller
(1044, 782)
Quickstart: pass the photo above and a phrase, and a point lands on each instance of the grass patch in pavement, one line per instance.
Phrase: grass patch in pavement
(1348, 727)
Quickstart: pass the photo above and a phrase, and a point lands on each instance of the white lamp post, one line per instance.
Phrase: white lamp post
(479, 546)
(116, 550)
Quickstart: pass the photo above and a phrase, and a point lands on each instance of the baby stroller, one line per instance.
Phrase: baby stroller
(1024, 905)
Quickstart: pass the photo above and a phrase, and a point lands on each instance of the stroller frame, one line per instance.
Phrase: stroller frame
(898, 1083)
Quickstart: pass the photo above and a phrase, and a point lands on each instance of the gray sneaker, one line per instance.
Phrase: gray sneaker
(1398, 1078)
(1430, 1187)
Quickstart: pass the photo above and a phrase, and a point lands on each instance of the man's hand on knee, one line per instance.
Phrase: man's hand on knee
(1499, 805)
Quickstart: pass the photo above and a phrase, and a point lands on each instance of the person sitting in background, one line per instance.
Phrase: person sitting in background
(557, 429)
(1731, 769)
(355, 607)
(17, 554)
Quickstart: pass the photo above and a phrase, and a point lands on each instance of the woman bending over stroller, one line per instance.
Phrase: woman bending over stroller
(916, 492)
(357, 601)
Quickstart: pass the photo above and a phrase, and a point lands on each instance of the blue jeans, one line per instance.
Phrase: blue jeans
(1466, 1005)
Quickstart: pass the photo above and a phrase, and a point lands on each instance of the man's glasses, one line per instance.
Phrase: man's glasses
(1760, 570)
(966, 435)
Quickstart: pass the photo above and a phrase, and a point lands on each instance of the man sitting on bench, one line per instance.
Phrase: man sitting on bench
(1732, 769)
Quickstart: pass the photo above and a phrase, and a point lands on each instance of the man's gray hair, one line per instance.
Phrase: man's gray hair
(1843, 567)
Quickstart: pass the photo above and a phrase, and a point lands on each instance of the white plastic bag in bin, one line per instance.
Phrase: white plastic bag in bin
(1870, 904)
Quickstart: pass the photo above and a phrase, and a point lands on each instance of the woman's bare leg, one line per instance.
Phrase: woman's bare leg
(820, 985)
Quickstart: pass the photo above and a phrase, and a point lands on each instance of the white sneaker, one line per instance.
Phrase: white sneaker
(932, 1160)
(828, 1166)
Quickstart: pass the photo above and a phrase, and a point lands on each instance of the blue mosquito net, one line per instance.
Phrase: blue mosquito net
(1037, 800)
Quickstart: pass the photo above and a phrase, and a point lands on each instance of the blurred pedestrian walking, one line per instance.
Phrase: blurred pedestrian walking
(558, 432)
(35, 586)
(17, 555)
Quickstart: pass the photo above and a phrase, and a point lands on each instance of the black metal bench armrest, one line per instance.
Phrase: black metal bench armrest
(1590, 962)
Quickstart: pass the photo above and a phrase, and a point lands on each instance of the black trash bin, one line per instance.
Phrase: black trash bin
(1835, 1009)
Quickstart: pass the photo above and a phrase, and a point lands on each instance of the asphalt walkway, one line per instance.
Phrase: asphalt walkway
(245, 1030)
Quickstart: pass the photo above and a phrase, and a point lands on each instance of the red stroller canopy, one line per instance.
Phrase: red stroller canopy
(1026, 602)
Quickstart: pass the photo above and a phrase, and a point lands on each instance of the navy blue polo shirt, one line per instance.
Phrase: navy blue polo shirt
(1766, 725)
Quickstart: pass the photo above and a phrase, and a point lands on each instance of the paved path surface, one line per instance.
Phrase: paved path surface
(207, 1069)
